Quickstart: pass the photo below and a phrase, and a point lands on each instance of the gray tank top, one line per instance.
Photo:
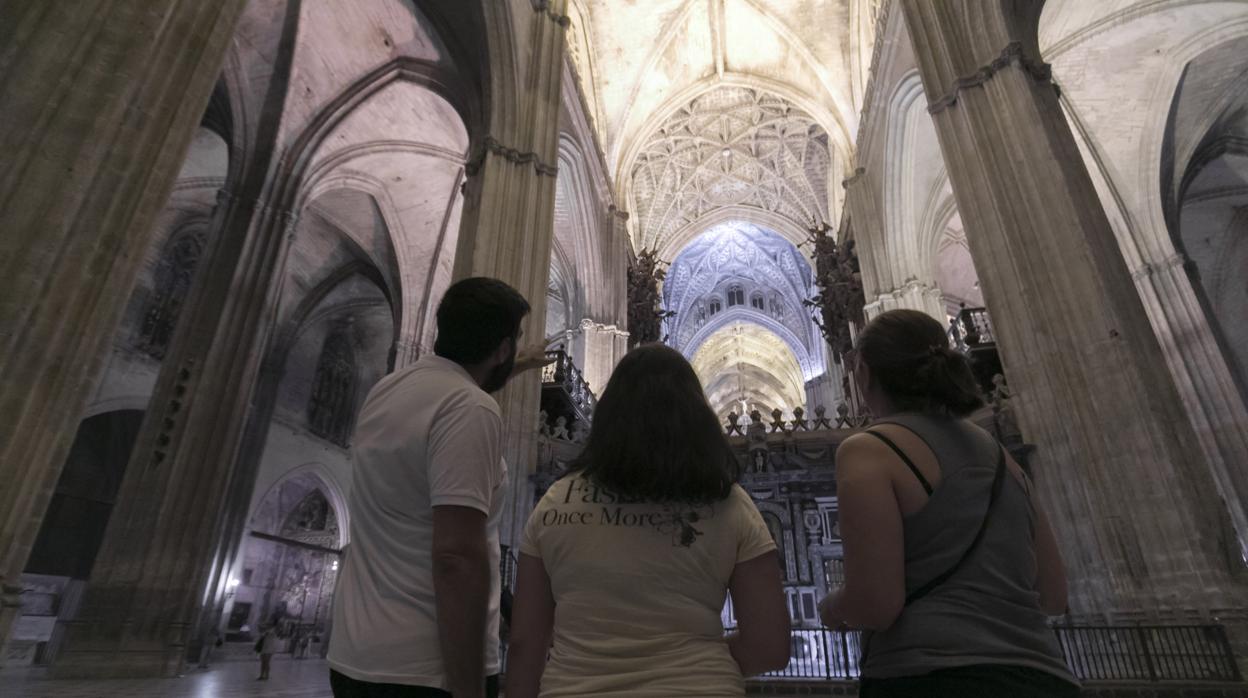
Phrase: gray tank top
(988, 612)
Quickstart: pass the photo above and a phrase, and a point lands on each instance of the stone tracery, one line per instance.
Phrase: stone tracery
(732, 146)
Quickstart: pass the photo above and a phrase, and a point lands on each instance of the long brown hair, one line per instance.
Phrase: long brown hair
(654, 437)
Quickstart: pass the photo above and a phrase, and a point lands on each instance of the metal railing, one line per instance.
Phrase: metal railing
(975, 327)
(564, 373)
(1093, 653)
(820, 653)
(1148, 653)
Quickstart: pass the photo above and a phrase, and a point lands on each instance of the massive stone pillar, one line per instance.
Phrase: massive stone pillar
(177, 512)
(508, 219)
(100, 101)
(1118, 465)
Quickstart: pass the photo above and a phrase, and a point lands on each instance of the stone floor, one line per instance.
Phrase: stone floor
(303, 678)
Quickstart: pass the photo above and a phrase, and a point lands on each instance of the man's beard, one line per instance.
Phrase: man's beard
(499, 374)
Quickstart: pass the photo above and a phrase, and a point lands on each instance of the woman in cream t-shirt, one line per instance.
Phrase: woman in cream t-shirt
(626, 562)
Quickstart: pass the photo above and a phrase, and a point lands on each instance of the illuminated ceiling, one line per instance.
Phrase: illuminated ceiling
(729, 111)
(730, 147)
(745, 362)
(637, 59)
(765, 267)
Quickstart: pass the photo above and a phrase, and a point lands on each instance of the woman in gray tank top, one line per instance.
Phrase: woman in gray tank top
(950, 564)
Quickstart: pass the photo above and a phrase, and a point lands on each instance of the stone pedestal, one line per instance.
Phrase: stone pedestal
(100, 102)
(1117, 461)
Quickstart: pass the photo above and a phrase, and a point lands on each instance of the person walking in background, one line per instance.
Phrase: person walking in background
(416, 608)
(950, 563)
(266, 647)
(627, 560)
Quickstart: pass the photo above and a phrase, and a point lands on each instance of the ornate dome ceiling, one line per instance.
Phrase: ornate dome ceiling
(639, 60)
(760, 264)
(732, 147)
(744, 367)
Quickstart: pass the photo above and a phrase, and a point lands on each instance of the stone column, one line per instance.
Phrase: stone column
(163, 550)
(1204, 378)
(179, 512)
(1118, 464)
(100, 101)
(866, 226)
(508, 226)
(619, 256)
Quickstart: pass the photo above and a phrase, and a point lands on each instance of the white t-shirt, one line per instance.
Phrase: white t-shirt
(427, 436)
(638, 590)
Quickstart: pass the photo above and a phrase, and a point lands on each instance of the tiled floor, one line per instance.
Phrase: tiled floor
(289, 679)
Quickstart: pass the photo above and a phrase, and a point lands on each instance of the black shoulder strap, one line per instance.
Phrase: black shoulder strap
(927, 486)
(997, 481)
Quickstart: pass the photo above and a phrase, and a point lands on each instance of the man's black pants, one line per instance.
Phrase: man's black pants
(347, 687)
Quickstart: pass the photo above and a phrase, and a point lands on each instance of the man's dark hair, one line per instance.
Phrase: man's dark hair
(475, 316)
(654, 437)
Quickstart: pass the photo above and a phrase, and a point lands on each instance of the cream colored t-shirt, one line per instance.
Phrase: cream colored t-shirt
(639, 588)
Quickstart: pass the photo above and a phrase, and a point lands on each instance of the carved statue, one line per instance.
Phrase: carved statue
(1002, 412)
(756, 433)
(645, 315)
(840, 300)
(543, 423)
(580, 431)
(561, 429)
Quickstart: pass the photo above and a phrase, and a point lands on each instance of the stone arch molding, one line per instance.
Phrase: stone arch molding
(577, 233)
(811, 364)
(329, 484)
(917, 198)
(729, 146)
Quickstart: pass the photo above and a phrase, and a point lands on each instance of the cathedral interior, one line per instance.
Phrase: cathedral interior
(221, 223)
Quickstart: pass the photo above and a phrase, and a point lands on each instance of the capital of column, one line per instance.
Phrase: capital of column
(1013, 53)
(543, 6)
(225, 196)
(858, 173)
(1175, 260)
(491, 145)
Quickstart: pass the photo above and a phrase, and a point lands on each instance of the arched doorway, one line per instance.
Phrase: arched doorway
(289, 565)
(72, 530)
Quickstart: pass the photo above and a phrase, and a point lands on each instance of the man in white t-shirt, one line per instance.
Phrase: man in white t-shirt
(416, 610)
